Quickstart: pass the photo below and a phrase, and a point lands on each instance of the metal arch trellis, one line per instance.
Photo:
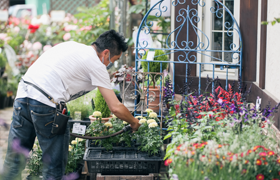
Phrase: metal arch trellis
(189, 17)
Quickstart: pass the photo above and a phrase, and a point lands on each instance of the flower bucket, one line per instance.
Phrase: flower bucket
(154, 101)
(128, 96)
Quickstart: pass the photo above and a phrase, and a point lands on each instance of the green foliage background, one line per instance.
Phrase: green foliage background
(155, 66)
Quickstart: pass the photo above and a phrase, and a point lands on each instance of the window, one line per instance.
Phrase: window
(219, 29)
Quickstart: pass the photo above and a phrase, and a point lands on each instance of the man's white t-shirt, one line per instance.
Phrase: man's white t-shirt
(65, 72)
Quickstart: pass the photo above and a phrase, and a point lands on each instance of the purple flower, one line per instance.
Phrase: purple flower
(3, 123)
(71, 176)
(165, 73)
(231, 124)
(238, 121)
(175, 177)
(18, 148)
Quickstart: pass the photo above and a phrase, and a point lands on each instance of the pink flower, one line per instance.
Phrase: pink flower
(47, 47)
(67, 36)
(70, 27)
(3, 36)
(86, 28)
(16, 29)
(37, 46)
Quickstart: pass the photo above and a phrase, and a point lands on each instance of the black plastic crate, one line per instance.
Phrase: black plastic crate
(122, 161)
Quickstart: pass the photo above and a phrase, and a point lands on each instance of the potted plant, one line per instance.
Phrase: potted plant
(155, 68)
(35, 164)
(75, 156)
(101, 108)
(126, 78)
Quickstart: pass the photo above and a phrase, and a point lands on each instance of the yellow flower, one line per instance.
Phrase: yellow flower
(153, 115)
(140, 117)
(35, 146)
(124, 122)
(97, 113)
(142, 121)
(149, 110)
(79, 139)
(70, 148)
(73, 142)
(108, 124)
(153, 124)
(151, 121)
(114, 116)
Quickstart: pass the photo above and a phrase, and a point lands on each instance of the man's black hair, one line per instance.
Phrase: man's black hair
(111, 40)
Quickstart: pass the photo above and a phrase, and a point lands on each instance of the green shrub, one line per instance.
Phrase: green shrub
(155, 66)
(3, 60)
(101, 105)
(3, 87)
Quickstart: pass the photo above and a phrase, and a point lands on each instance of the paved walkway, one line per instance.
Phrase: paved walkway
(6, 115)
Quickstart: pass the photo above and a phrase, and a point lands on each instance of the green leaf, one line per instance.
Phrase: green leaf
(273, 23)
(167, 136)
(264, 23)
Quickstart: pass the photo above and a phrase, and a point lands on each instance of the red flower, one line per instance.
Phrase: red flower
(167, 162)
(278, 161)
(258, 162)
(260, 177)
(219, 146)
(266, 163)
(33, 28)
(270, 153)
(241, 155)
(244, 171)
(256, 147)
(263, 154)
(249, 151)
(246, 161)
(179, 147)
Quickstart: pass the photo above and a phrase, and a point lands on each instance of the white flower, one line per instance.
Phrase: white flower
(124, 122)
(149, 110)
(114, 116)
(97, 113)
(142, 121)
(140, 117)
(73, 142)
(70, 148)
(151, 121)
(108, 124)
(37, 46)
(153, 124)
(153, 115)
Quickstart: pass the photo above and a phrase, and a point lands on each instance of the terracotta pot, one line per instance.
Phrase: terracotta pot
(104, 120)
(154, 105)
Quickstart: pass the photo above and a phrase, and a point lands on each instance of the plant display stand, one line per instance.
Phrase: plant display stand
(122, 161)
(125, 177)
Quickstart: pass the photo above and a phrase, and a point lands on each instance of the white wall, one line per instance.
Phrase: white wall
(259, 41)
(272, 77)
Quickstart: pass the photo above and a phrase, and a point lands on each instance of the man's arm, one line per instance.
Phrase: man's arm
(117, 108)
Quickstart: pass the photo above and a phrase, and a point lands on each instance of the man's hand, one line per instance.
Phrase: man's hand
(135, 125)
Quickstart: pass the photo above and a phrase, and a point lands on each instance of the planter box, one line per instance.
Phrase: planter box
(122, 161)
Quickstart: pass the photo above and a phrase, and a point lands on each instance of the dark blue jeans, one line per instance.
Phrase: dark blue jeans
(30, 119)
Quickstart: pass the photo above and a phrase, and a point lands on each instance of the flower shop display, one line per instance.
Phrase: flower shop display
(153, 77)
(220, 135)
(125, 152)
